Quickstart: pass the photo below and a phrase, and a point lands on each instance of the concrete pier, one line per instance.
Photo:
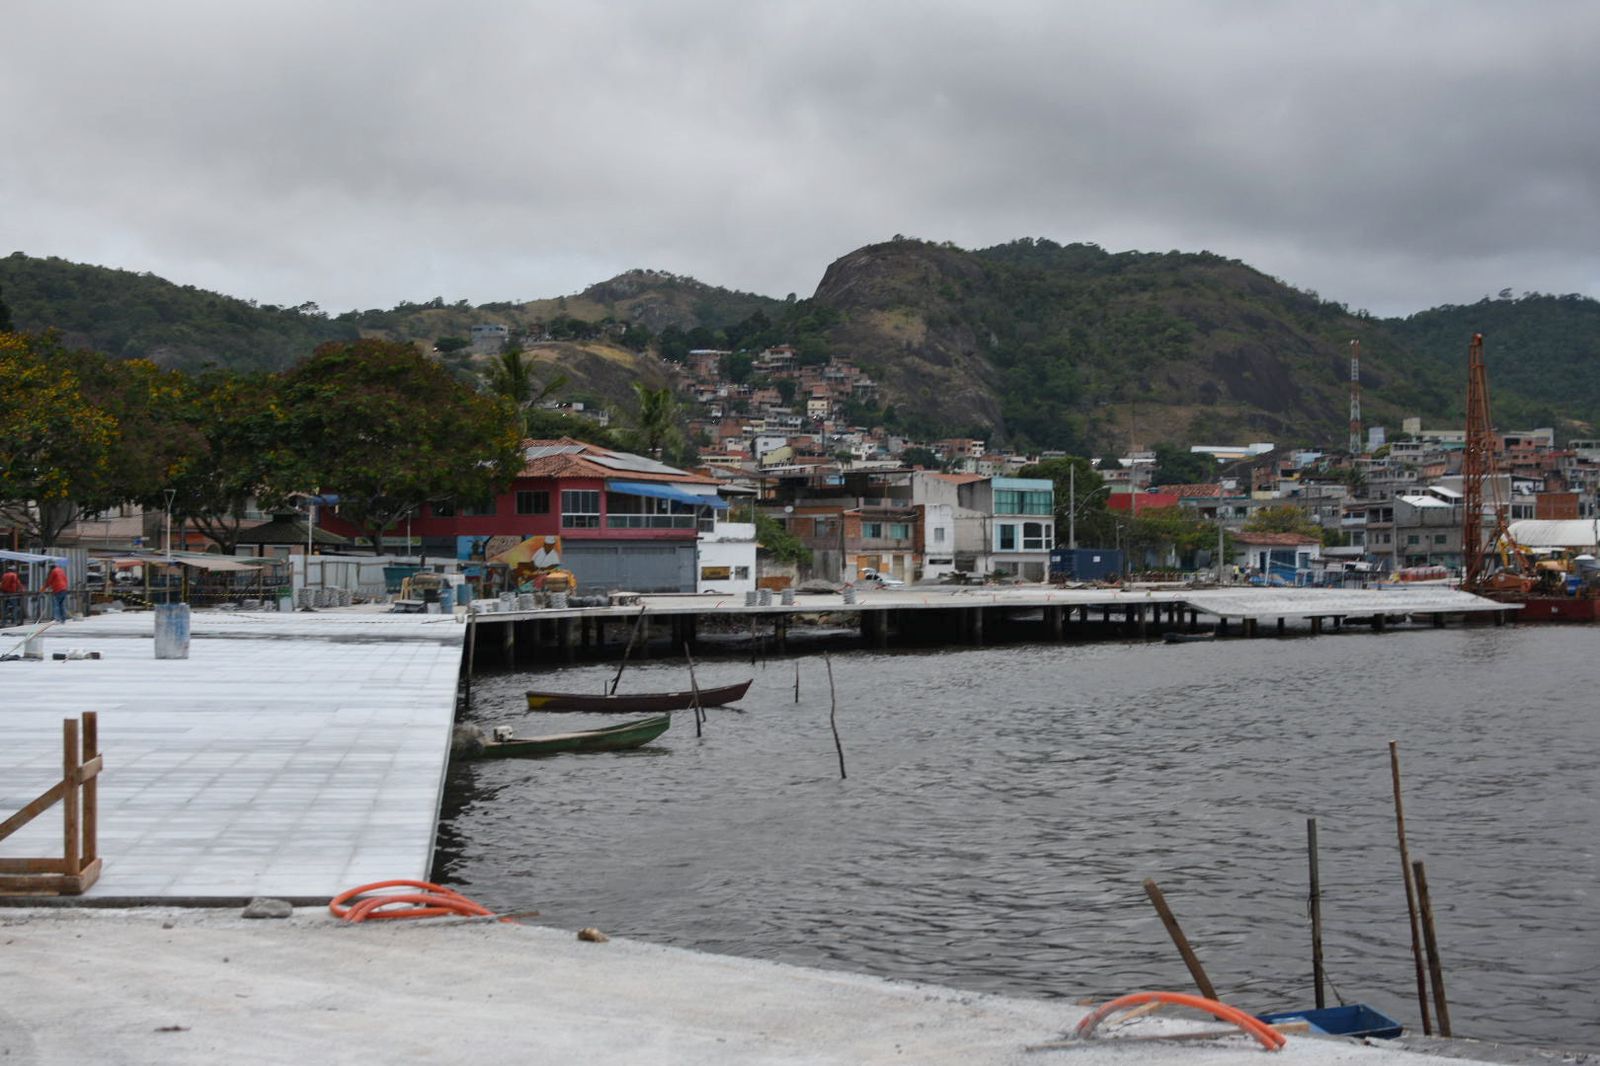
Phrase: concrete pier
(290, 754)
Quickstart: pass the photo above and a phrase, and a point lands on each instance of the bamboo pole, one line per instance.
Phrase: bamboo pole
(1411, 894)
(1435, 967)
(1316, 913)
(833, 713)
(1190, 959)
(694, 687)
(623, 665)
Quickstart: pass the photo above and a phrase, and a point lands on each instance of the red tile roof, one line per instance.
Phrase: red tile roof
(579, 461)
(1282, 540)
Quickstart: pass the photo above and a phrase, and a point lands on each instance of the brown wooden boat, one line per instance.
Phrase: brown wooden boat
(636, 702)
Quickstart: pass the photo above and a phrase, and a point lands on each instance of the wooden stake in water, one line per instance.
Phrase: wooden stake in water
(797, 680)
(694, 688)
(1411, 894)
(833, 715)
(1181, 942)
(1316, 913)
(1435, 967)
(623, 665)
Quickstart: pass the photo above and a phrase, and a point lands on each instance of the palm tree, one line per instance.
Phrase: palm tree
(511, 376)
(656, 420)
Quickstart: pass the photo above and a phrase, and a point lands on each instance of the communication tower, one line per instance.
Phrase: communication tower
(1355, 397)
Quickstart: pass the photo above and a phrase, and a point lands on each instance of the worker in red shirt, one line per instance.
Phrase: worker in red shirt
(11, 591)
(55, 583)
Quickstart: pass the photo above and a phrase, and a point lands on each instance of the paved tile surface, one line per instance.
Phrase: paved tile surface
(288, 755)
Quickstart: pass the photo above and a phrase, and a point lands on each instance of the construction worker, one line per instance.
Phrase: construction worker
(11, 592)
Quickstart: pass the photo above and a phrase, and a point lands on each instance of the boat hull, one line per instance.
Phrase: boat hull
(1552, 608)
(622, 737)
(636, 703)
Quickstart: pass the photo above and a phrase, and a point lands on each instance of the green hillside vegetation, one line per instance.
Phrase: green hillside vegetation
(1072, 347)
(1542, 353)
(1032, 344)
(141, 316)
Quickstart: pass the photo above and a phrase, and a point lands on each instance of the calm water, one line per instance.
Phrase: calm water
(1004, 805)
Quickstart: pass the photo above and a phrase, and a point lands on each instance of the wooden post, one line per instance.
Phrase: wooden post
(472, 651)
(91, 789)
(1190, 959)
(833, 715)
(694, 687)
(797, 680)
(1316, 913)
(627, 650)
(1411, 895)
(69, 775)
(1280, 627)
(1435, 968)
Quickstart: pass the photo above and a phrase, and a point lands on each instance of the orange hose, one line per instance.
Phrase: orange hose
(1269, 1037)
(432, 900)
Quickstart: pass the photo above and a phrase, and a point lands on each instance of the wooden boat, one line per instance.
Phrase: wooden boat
(619, 737)
(1187, 638)
(636, 702)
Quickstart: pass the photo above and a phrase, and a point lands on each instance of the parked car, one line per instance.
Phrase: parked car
(872, 579)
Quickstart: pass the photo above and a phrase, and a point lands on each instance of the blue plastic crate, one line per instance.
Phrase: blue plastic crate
(1357, 1019)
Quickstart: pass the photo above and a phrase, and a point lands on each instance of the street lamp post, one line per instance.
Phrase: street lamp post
(170, 494)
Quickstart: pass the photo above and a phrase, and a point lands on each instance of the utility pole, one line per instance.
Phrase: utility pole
(1072, 508)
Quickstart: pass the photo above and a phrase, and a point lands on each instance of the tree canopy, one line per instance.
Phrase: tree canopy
(388, 430)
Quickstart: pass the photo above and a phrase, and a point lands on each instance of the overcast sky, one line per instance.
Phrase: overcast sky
(1391, 156)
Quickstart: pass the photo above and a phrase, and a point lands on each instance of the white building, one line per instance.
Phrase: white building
(725, 558)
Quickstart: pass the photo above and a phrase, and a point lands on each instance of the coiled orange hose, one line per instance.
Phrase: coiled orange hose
(430, 901)
(1269, 1037)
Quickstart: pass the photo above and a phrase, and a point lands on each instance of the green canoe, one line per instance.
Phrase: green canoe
(612, 738)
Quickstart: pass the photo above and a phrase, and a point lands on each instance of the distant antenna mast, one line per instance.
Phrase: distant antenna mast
(1355, 397)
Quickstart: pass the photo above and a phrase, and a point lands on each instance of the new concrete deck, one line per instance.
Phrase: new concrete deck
(178, 987)
(291, 754)
(1229, 601)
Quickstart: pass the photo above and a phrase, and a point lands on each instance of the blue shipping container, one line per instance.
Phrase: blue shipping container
(1085, 564)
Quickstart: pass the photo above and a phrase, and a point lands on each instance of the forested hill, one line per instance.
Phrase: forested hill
(1030, 343)
(1542, 352)
(1074, 347)
(133, 315)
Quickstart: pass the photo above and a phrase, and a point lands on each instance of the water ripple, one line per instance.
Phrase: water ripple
(1004, 805)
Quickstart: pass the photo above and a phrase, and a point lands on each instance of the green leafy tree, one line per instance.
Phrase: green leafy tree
(1282, 518)
(387, 430)
(1176, 465)
(243, 448)
(55, 446)
(917, 455)
(1172, 529)
(775, 539)
(1077, 484)
(5, 315)
(446, 345)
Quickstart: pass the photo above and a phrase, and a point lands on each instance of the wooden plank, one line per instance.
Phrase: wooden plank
(1190, 959)
(71, 822)
(33, 866)
(91, 788)
(52, 884)
(32, 810)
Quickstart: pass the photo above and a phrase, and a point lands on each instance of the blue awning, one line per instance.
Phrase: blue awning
(662, 491)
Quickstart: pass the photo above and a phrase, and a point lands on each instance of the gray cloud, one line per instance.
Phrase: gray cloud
(1390, 156)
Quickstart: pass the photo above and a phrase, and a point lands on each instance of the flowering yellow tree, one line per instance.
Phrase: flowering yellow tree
(55, 446)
